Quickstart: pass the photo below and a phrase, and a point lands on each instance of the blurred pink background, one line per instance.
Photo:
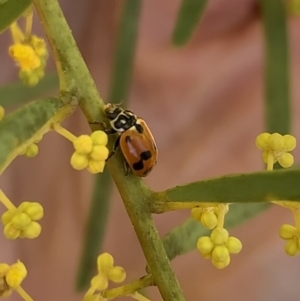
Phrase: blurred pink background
(204, 105)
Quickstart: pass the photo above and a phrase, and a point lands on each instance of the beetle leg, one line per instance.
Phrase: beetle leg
(102, 124)
(115, 147)
(127, 168)
(110, 131)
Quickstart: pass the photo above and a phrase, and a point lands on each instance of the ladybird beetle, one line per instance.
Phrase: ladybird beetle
(135, 139)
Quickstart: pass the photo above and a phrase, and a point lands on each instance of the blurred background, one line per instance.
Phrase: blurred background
(204, 105)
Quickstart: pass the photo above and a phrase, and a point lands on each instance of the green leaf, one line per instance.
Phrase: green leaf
(188, 17)
(184, 238)
(18, 93)
(24, 126)
(241, 188)
(10, 11)
(125, 50)
(95, 228)
(277, 71)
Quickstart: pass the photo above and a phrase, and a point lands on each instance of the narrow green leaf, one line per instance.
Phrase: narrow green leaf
(125, 50)
(18, 93)
(241, 188)
(277, 73)
(183, 238)
(95, 229)
(188, 17)
(25, 125)
(10, 11)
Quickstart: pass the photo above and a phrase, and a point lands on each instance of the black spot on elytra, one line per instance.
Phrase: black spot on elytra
(127, 139)
(138, 165)
(146, 155)
(139, 128)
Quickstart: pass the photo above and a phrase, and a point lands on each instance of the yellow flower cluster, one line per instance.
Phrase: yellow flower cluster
(11, 277)
(90, 152)
(106, 271)
(218, 247)
(292, 235)
(275, 148)
(29, 52)
(22, 221)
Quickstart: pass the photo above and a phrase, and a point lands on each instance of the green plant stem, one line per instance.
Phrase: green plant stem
(136, 197)
(128, 289)
(74, 77)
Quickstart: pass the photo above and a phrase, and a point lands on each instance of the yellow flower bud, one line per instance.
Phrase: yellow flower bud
(289, 142)
(117, 274)
(96, 166)
(209, 220)
(234, 245)
(16, 274)
(291, 247)
(287, 231)
(34, 210)
(33, 230)
(220, 253)
(29, 78)
(20, 221)
(196, 213)
(39, 46)
(3, 269)
(83, 144)
(219, 236)
(79, 161)
(32, 151)
(100, 282)
(221, 264)
(286, 160)
(40, 72)
(99, 153)
(11, 232)
(205, 245)
(261, 141)
(99, 138)
(23, 206)
(25, 56)
(8, 215)
(2, 113)
(105, 262)
(276, 142)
